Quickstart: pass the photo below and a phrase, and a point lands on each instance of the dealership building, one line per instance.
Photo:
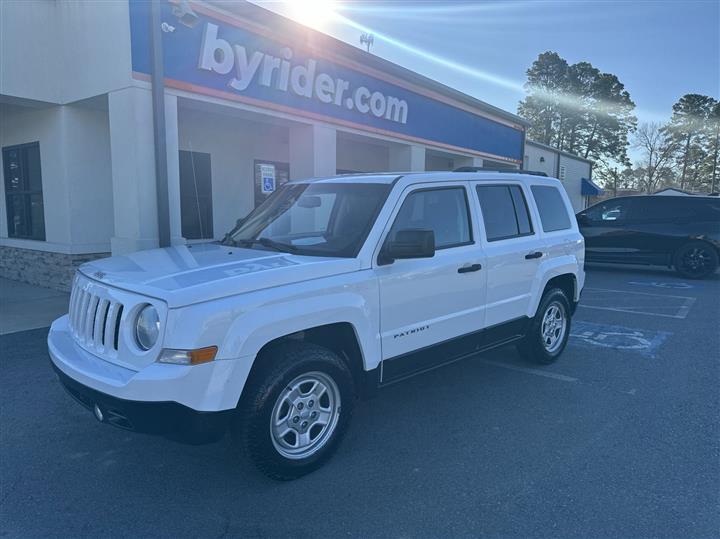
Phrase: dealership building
(251, 100)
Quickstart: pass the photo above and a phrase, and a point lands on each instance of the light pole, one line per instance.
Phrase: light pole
(187, 17)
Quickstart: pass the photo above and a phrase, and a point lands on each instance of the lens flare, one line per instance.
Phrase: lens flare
(313, 13)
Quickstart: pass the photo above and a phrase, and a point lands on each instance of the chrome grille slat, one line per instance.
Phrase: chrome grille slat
(73, 307)
(109, 341)
(90, 318)
(82, 314)
(71, 304)
(100, 316)
(78, 303)
(76, 314)
(93, 317)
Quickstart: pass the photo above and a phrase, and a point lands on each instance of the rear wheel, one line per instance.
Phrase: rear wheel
(695, 260)
(549, 330)
(293, 415)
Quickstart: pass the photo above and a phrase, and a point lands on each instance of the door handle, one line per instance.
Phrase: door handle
(530, 256)
(469, 269)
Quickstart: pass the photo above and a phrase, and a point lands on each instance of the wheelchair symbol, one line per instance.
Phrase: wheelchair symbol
(633, 340)
(655, 284)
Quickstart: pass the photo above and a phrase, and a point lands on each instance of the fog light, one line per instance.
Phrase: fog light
(98, 413)
(188, 357)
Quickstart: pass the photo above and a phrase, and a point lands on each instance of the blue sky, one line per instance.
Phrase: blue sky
(660, 50)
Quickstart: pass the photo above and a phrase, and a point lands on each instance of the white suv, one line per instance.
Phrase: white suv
(330, 289)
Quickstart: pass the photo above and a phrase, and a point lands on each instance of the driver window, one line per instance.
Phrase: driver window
(608, 212)
(444, 211)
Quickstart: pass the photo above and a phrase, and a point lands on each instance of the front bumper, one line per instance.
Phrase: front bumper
(168, 419)
(158, 398)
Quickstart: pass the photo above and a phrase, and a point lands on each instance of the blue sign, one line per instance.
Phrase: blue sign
(224, 57)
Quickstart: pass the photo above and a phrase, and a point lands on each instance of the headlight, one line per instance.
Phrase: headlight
(147, 327)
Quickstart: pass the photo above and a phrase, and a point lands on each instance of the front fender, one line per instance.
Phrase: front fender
(250, 333)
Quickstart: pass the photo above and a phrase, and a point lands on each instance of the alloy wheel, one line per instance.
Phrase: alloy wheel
(305, 415)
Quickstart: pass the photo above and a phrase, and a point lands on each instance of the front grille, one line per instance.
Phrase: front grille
(94, 319)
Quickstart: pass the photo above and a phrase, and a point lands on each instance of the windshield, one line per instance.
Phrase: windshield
(320, 219)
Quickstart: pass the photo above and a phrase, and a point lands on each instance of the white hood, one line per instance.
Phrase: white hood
(190, 274)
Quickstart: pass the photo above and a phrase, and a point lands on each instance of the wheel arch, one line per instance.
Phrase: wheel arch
(563, 274)
(341, 338)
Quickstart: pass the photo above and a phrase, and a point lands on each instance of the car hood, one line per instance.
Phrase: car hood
(189, 274)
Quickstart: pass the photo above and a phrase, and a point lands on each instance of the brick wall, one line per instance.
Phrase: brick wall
(42, 268)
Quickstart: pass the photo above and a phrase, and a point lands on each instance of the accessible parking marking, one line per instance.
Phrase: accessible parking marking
(643, 342)
(625, 301)
(656, 284)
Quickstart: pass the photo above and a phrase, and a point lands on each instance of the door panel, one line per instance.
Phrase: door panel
(427, 301)
(608, 238)
(509, 236)
(510, 278)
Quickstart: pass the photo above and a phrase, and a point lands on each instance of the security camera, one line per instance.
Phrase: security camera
(184, 13)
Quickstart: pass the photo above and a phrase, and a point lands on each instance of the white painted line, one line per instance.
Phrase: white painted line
(536, 372)
(685, 309)
(682, 310)
(639, 293)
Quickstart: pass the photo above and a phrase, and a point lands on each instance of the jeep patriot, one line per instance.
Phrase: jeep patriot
(331, 288)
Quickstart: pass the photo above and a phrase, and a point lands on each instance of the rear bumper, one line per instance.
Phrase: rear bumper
(168, 419)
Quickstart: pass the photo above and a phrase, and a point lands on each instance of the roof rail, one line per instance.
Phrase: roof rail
(506, 171)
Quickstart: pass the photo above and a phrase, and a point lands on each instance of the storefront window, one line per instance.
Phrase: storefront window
(23, 191)
(196, 209)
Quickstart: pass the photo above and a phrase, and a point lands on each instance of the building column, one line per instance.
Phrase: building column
(406, 158)
(133, 171)
(173, 164)
(313, 151)
(468, 162)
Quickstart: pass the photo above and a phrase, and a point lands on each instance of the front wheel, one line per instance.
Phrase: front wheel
(695, 260)
(294, 413)
(549, 330)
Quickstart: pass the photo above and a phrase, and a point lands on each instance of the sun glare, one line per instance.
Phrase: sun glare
(314, 13)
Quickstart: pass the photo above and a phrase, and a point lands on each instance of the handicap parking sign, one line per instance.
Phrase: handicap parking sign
(267, 177)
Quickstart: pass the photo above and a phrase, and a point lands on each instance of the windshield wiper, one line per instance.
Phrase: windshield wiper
(266, 242)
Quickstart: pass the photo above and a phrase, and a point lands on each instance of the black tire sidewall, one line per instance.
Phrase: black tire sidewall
(533, 346)
(256, 407)
(677, 259)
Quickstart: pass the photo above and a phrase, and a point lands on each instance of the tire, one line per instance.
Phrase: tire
(545, 348)
(695, 260)
(282, 395)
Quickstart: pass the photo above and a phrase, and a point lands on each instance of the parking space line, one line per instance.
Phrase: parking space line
(681, 310)
(536, 372)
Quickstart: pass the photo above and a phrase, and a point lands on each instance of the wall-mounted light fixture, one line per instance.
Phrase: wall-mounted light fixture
(542, 159)
(185, 14)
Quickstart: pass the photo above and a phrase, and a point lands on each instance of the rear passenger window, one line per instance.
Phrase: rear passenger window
(550, 204)
(444, 211)
(505, 211)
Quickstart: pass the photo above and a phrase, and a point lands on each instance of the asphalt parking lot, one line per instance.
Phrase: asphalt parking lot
(620, 438)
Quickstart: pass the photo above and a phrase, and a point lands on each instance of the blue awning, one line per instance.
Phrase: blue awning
(590, 189)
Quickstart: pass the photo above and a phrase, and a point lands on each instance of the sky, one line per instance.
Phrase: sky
(660, 50)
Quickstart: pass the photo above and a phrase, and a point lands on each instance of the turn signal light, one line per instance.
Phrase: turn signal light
(188, 357)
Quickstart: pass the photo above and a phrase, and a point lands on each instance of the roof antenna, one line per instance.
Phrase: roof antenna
(368, 40)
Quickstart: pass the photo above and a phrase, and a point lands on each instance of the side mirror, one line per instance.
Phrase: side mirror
(582, 219)
(410, 243)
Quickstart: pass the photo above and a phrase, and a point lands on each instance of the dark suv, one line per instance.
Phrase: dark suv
(675, 231)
